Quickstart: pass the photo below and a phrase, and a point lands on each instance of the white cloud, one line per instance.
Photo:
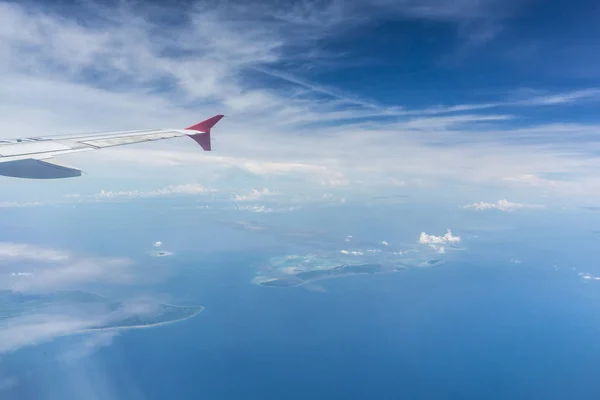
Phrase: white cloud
(253, 195)
(55, 320)
(56, 269)
(89, 345)
(254, 208)
(28, 252)
(38, 328)
(385, 243)
(187, 189)
(589, 277)
(502, 205)
(352, 253)
(438, 249)
(532, 179)
(157, 244)
(20, 204)
(448, 238)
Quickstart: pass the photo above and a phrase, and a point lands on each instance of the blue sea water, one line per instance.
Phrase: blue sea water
(475, 327)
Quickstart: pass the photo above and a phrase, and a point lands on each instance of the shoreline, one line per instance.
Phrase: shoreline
(120, 328)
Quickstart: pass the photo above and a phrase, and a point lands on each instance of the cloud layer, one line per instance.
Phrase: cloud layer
(501, 205)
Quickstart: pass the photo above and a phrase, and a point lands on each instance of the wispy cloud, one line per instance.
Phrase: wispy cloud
(226, 60)
(27, 252)
(56, 318)
(533, 180)
(256, 208)
(29, 268)
(447, 11)
(189, 189)
(89, 345)
(20, 204)
(253, 195)
(501, 205)
(39, 328)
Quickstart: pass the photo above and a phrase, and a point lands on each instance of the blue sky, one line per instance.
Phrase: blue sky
(484, 99)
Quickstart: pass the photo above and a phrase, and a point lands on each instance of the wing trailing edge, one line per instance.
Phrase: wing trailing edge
(37, 169)
(23, 158)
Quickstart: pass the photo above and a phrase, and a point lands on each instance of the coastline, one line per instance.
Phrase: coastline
(119, 328)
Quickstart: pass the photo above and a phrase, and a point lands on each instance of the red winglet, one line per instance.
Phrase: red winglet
(205, 126)
(203, 137)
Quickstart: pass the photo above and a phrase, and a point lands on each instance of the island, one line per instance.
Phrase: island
(302, 277)
(113, 314)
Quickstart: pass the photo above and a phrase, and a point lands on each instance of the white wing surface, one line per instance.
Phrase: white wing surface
(27, 157)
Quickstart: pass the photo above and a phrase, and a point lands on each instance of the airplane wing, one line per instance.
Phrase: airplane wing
(27, 157)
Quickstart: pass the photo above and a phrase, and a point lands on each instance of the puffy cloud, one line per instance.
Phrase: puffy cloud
(501, 205)
(352, 253)
(385, 243)
(589, 277)
(157, 244)
(448, 238)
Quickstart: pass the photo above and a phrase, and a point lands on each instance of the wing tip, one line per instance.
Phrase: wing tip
(202, 137)
(206, 125)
